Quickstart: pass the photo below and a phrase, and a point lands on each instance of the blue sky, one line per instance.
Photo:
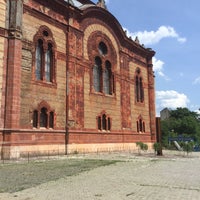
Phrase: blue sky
(172, 29)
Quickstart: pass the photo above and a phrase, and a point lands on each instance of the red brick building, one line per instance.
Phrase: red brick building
(71, 80)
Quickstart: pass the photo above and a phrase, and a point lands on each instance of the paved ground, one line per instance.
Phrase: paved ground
(136, 178)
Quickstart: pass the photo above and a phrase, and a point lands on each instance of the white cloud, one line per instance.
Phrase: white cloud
(158, 68)
(154, 37)
(197, 80)
(171, 99)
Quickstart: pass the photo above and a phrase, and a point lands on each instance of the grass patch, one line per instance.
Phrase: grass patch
(16, 177)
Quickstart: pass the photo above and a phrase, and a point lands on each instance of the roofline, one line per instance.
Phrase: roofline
(123, 39)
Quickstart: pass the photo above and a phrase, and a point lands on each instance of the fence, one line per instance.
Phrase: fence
(28, 156)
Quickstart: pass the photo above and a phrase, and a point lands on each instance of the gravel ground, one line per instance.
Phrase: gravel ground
(172, 176)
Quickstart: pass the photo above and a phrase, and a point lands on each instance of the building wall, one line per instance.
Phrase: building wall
(94, 104)
(33, 93)
(72, 97)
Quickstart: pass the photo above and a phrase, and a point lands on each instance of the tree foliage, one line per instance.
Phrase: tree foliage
(182, 121)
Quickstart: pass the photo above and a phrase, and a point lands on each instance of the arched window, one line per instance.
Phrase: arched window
(104, 122)
(139, 91)
(103, 79)
(44, 56)
(140, 125)
(43, 118)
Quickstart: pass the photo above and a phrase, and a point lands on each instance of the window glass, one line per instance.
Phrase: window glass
(104, 126)
(103, 48)
(48, 63)
(107, 78)
(99, 123)
(97, 71)
(109, 124)
(51, 120)
(139, 89)
(39, 52)
(43, 118)
(35, 118)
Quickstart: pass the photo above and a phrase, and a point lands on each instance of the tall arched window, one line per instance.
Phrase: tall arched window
(139, 91)
(44, 56)
(102, 71)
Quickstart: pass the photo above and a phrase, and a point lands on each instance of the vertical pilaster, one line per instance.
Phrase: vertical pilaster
(152, 113)
(13, 68)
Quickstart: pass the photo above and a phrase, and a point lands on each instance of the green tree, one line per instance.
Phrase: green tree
(181, 121)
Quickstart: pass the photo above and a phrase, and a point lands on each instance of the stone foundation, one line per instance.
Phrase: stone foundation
(16, 152)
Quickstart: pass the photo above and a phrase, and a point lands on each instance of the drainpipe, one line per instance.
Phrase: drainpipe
(67, 84)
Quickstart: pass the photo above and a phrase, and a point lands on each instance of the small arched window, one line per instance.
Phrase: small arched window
(43, 118)
(104, 122)
(140, 125)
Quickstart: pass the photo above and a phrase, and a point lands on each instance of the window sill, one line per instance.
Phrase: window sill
(103, 94)
(43, 128)
(45, 84)
(140, 103)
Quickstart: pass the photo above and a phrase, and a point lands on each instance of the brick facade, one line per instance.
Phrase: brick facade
(66, 112)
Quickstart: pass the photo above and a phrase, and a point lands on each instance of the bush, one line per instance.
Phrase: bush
(141, 146)
(187, 146)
